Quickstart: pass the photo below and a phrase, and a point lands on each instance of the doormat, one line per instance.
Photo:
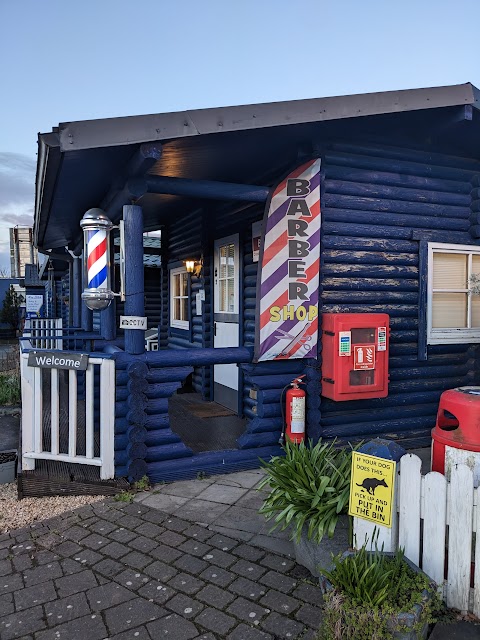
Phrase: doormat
(208, 410)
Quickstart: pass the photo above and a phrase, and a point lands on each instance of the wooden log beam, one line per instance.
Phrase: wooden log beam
(209, 189)
(188, 357)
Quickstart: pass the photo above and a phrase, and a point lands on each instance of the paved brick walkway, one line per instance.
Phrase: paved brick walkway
(122, 572)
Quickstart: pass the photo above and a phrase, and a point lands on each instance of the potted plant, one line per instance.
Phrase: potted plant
(309, 492)
(372, 595)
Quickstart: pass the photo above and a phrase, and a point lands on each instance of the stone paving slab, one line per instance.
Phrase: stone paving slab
(133, 572)
(190, 560)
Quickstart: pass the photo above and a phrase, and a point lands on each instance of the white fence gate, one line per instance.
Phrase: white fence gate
(68, 431)
(436, 524)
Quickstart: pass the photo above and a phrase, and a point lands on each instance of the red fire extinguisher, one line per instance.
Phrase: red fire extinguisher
(295, 412)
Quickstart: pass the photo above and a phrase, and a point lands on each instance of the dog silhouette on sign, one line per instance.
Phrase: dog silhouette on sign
(370, 484)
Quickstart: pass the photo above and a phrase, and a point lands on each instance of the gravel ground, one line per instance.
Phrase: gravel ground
(15, 514)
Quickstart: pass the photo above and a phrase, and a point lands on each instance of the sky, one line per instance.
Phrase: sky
(66, 60)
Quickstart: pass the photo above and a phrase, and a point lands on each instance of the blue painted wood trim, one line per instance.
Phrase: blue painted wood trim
(211, 463)
(241, 239)
(422, 298)
(134, 276)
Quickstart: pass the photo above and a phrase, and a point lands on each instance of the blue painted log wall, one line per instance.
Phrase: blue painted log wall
(377, 203)
(142, 425)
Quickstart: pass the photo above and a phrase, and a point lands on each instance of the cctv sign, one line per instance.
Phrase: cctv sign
(133, 322)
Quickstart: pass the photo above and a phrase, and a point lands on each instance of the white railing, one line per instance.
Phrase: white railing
(446, 555)
(39, 402)
(37, 330)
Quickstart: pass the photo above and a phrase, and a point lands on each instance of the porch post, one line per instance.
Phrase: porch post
(77, 290)
(107, 322)
(134, 279)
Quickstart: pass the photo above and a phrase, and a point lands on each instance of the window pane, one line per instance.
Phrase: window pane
(231, 260)
(231, 295)
(223, 261)
(475, 312)
(184, 284)
(176, 309)
(183, 309)
(450, 271)
(449, 310)
(222, 292)
(175, 285)
(476, 264)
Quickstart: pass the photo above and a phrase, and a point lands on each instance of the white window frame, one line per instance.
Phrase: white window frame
(221, 242)
(462, 335)
(177, 324)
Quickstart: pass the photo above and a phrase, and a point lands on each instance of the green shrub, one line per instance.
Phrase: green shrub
(124, 496)
(142, 485)
(10, 392)
(310, 487)
(370, 591)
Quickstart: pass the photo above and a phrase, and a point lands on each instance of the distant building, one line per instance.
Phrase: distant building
(22, 251)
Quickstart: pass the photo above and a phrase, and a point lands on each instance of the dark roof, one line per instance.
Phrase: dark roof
(79, 162)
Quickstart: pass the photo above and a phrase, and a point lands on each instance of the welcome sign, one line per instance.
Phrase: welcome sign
(288, 279)
(58, 360)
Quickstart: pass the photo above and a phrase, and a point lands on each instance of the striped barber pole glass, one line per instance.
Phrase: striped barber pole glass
(97, 268)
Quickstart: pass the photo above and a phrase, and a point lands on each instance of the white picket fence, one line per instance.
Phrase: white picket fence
(37, 329)
(41, 395)
(435, 523)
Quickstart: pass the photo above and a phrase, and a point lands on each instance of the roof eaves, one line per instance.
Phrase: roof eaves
(45, 180)
(109, 132)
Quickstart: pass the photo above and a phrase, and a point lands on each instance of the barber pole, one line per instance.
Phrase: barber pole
(97, 226)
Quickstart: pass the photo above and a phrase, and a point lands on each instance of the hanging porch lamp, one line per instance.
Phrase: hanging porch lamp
(96, 251)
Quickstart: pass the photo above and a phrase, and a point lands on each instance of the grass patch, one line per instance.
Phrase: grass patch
(9, 389)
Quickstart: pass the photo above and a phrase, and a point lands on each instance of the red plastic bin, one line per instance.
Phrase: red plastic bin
(458, 424)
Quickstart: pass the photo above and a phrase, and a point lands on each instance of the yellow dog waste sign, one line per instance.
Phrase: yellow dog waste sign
(371, 488)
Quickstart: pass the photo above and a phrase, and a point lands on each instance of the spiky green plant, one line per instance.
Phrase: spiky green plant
(370, 592)
(310, 487)
(368, 577)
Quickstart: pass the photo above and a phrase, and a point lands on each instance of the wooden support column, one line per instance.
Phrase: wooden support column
(134, 278)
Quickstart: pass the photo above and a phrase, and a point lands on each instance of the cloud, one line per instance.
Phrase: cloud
(17, 179)
(17, 192)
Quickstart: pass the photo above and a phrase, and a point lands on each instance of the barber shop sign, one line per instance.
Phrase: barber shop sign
(288, 280)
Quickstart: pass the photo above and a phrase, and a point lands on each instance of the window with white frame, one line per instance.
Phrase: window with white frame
(179, 299)
(453, 310)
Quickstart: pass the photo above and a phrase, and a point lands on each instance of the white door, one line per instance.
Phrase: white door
(226, 318)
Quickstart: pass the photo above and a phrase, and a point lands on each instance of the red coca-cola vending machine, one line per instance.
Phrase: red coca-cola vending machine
(355, 355)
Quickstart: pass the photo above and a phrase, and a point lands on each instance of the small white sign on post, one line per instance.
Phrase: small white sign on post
(33, 304)
(133, 322)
